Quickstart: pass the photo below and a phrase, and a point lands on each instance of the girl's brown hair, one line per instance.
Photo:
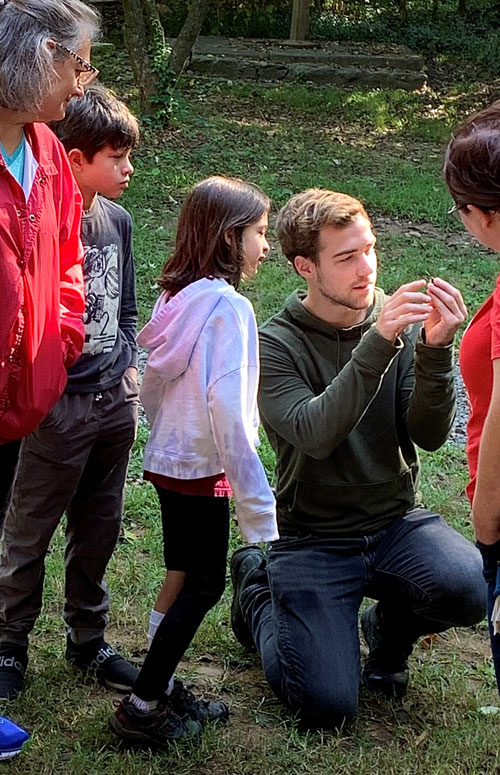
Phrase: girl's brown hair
(472, 164)
(213, 208)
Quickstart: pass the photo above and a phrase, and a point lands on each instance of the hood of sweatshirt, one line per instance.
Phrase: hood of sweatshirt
(296, 309)
(176, 325)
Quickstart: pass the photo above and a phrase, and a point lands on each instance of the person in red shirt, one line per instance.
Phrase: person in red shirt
(44, 52)
(472, 172)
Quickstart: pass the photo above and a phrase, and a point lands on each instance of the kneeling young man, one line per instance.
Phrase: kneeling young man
(351, 381)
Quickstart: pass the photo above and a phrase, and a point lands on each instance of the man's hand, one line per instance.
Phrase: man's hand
(406, 306)
(448, 313)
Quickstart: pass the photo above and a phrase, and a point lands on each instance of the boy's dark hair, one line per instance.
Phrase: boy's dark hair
(215, 207)
(96, 120)
(472, 164)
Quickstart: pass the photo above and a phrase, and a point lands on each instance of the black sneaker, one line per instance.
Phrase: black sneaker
(99, 658)
(184, 703)
(159, 727)
(13, 664)
(243, 562)
(386, 667)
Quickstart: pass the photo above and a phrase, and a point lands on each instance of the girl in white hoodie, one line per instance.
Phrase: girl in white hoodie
(200, 395)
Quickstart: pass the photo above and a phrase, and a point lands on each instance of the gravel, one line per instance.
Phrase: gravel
(459, 433)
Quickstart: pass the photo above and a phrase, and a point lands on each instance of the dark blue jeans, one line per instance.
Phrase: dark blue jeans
(491, 571)
(304, 615)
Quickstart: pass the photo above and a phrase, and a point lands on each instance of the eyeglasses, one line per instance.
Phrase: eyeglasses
(89, 71)
(455, 212)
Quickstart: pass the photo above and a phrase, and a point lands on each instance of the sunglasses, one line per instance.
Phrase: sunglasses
(89, 71)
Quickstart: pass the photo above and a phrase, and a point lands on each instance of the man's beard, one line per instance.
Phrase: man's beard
(343, 301)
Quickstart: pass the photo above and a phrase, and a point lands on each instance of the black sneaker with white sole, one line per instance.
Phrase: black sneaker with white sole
(386, 666)
(184, 703)
(100, 659)
(158, 728)
(13, 664)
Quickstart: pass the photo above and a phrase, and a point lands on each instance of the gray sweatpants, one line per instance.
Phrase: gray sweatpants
(75, 462)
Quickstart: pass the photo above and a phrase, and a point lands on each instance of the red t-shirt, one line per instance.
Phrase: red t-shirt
(213, 486)
(480, 346)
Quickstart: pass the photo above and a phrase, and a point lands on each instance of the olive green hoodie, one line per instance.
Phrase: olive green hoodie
(343, 409)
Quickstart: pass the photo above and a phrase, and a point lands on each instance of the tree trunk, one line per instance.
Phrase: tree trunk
(462, 7)
(403, 12)
(181, 50)
(300, 26)
(135, 34)
(435, 10)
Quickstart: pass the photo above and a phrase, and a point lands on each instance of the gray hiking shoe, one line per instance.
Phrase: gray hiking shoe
(386, 666)
(158, 728)
(184, 703)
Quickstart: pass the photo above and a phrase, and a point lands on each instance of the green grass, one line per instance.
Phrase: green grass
(385, 147)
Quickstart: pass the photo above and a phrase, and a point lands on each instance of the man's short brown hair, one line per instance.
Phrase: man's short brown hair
(303, 217)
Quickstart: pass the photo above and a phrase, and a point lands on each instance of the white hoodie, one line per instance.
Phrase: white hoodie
(200, 395)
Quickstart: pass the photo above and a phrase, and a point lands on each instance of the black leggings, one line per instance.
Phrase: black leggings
(196, 536)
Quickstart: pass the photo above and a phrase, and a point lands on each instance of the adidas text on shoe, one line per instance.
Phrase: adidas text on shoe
(158, 728)
(13, 663)
(109, 667)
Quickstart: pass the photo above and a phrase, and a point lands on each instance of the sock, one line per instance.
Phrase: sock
(144, 705)
(155, 619)
(170, 686)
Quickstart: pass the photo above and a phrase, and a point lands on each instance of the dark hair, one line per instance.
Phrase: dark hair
(303, 217)
(472, 163)
(214, 207)
(96, 120)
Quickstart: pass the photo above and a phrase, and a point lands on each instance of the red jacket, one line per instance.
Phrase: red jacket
(41, 286)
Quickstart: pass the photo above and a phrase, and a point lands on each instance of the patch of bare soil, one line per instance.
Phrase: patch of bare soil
(471, 644)
(407, 228)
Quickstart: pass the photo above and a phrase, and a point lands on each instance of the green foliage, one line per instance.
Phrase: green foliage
(165, 78)
(474, 38)
(254, 18)
(166, 98)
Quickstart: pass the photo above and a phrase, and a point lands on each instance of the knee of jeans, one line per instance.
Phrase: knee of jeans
(320, 708)
(475, 611)
(467, 607)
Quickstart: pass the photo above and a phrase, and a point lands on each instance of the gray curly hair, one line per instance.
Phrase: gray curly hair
(27, 74)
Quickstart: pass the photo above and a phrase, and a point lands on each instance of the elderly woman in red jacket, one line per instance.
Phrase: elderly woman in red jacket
(44, 52)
